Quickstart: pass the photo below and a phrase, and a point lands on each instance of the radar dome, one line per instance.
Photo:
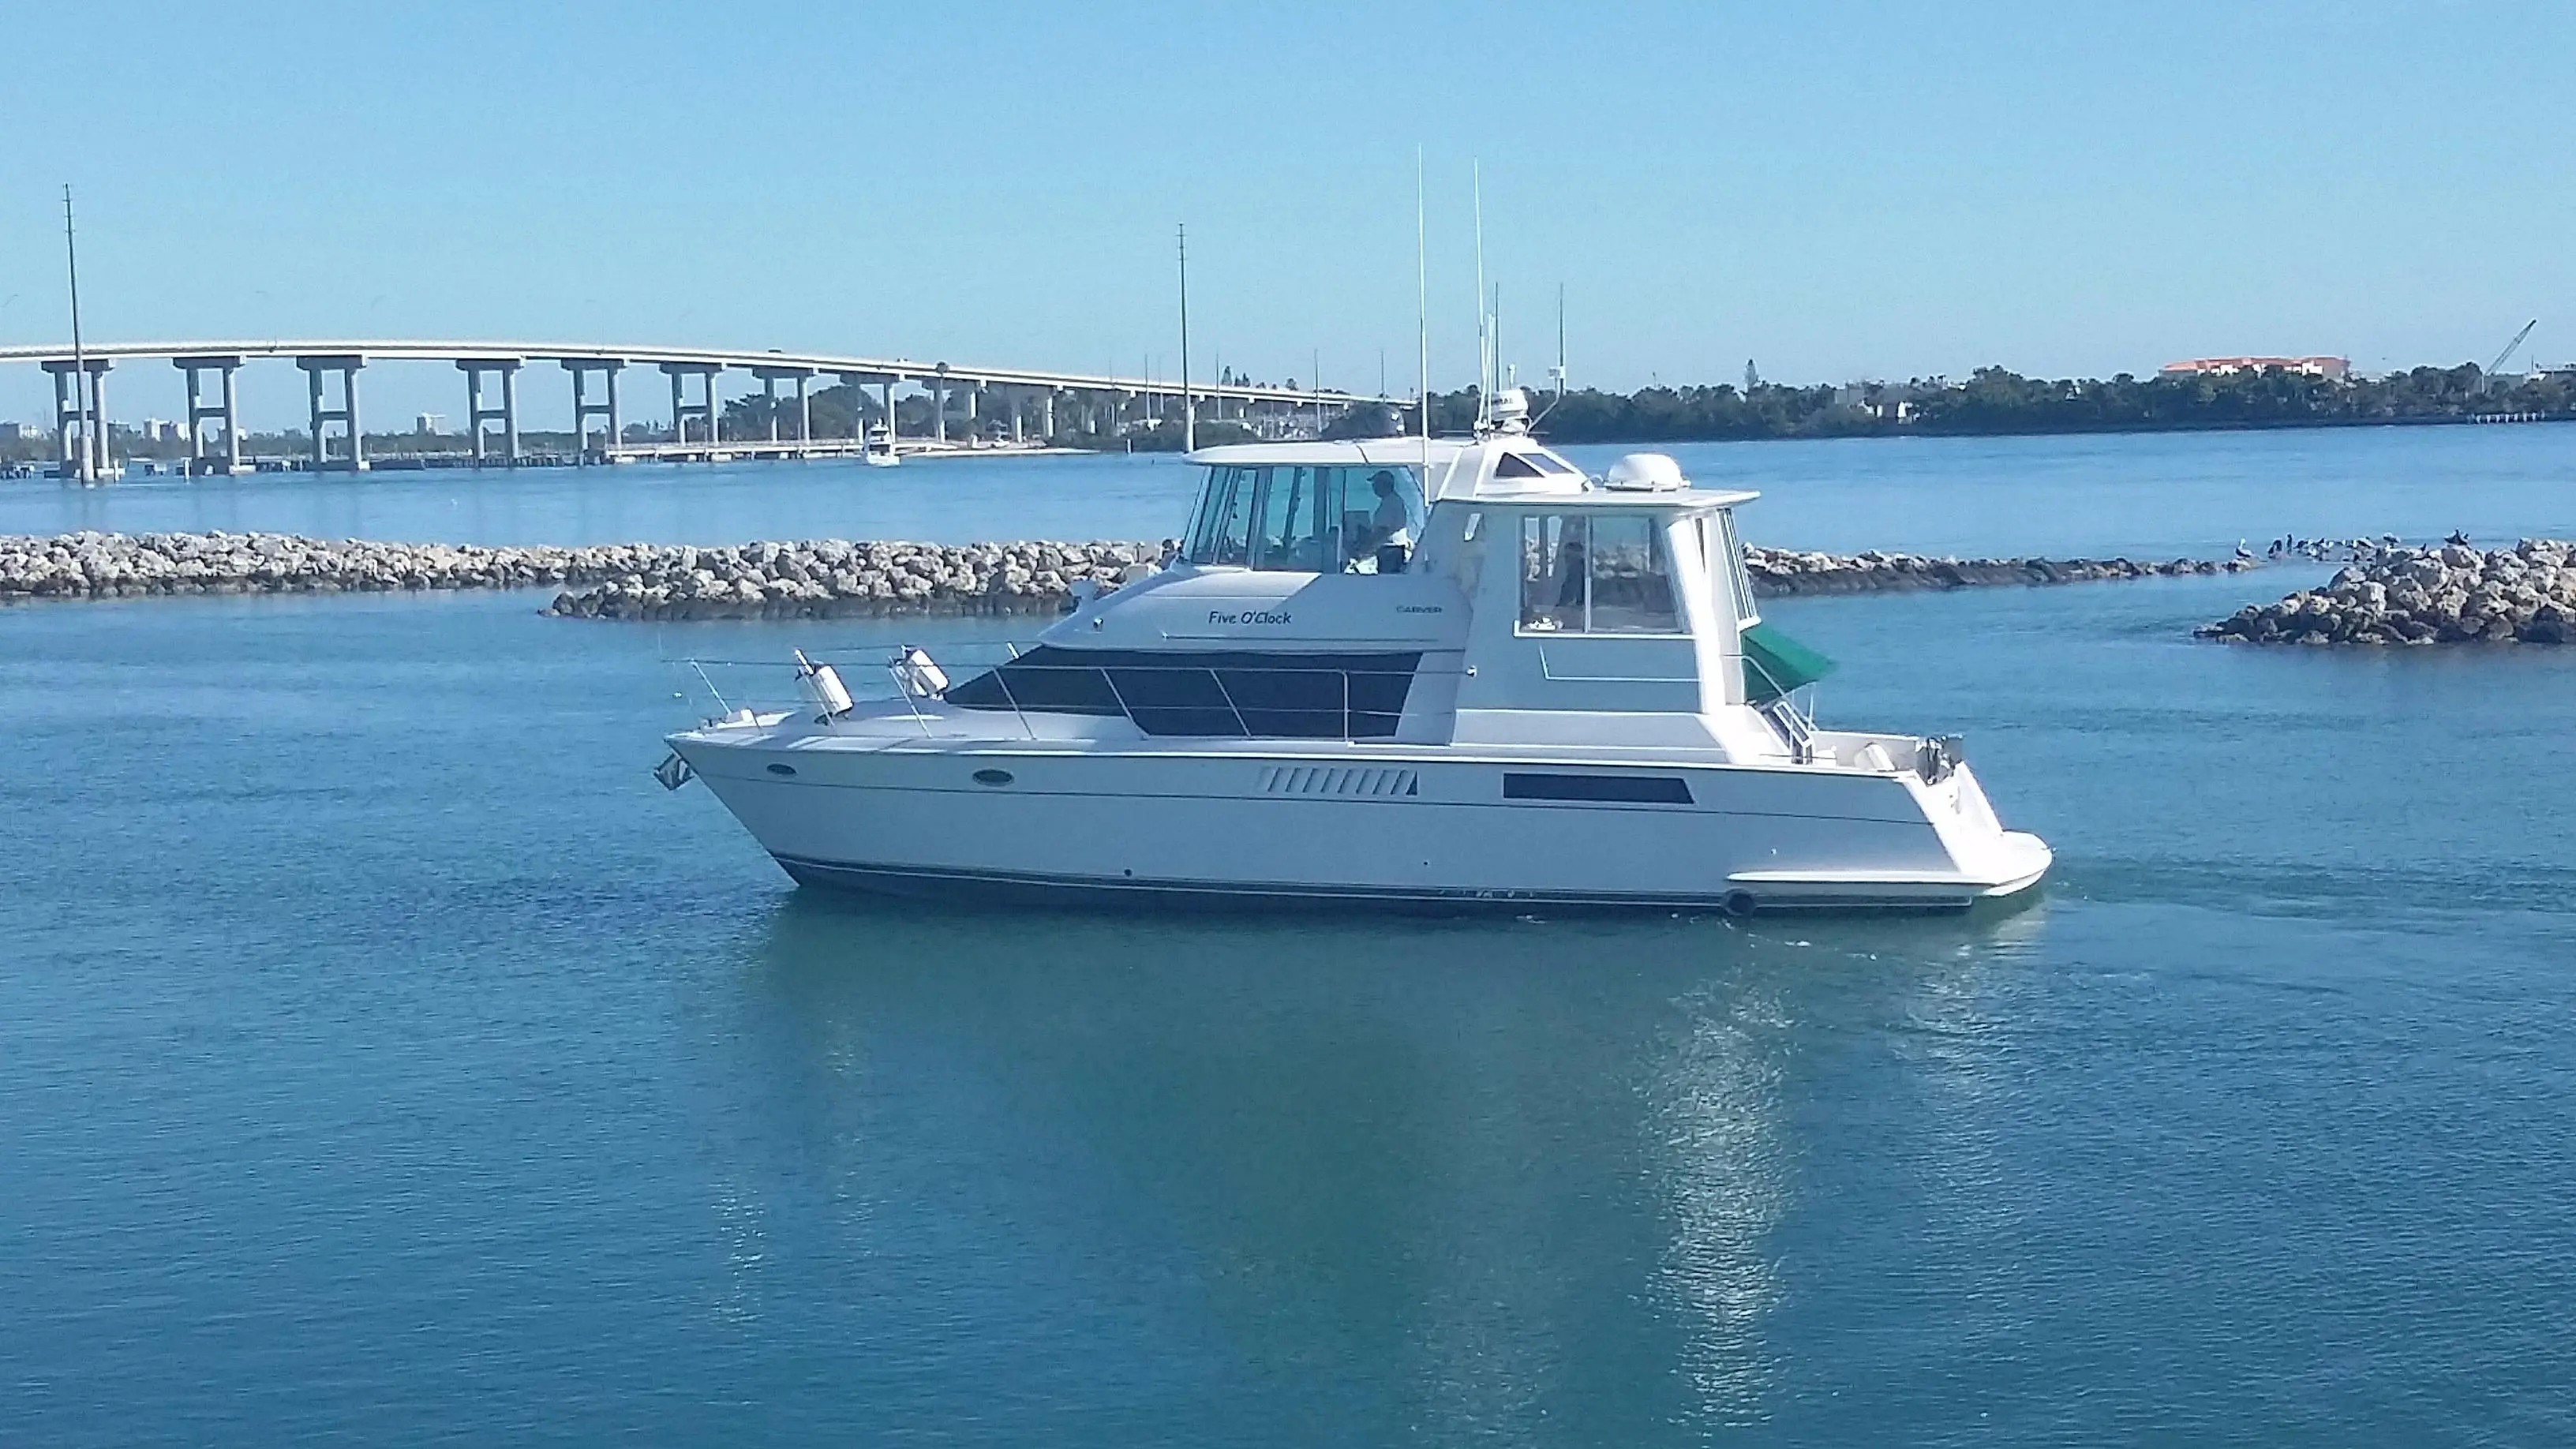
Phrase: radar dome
(1645, 473)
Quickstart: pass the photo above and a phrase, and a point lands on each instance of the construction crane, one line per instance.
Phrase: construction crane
(2510, 349)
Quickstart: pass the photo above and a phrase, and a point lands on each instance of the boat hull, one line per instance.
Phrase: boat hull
(1361, 828)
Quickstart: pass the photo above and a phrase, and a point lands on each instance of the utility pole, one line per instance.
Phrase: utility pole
(89, 470)
(1189, 410)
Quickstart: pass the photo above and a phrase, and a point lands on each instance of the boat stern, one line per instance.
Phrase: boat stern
(1969, 858)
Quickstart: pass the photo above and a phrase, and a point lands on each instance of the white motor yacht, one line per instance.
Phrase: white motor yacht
(877, 448)
(1423, 673)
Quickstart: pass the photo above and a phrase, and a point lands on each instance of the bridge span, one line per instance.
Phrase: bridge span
(1105, 405)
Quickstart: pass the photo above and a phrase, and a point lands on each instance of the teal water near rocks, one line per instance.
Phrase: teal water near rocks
(385, 1057)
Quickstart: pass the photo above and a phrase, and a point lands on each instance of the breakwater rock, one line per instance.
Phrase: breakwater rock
(130, 565)
(2451, 595)
(832, 578)
(1786, 571)
(628, 580)
(812, 578)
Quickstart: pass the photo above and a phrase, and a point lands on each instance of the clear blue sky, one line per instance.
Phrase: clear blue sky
(1835, 191)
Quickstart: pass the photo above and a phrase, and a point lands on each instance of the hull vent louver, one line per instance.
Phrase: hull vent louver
(1348, 781)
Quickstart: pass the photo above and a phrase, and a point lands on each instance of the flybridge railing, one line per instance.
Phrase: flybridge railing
(1250, 701)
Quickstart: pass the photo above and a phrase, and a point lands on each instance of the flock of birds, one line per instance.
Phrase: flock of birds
(2338, 550)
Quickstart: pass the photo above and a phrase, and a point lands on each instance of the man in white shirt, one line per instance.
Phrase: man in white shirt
(1391, 523)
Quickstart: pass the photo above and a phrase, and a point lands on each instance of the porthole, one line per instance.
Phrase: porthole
(992, 777)
(782, 769)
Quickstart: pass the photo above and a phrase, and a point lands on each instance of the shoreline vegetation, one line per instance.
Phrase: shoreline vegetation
(1995, 402)
(1992, 402)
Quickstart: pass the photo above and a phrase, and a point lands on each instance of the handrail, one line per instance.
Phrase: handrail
(1008, 698)
(1796, 725)
(1229, 701)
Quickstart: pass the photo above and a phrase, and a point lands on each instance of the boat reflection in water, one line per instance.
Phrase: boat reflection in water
(1470, 1178)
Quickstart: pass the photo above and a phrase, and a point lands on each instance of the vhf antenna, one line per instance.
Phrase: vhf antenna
(1189, 411)
(1422, 312)
(1484, 337)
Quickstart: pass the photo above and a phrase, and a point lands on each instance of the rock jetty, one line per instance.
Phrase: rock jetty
(628, 580)
(812, 578)
(831, 578)
(2456, 594)
(1785, 571)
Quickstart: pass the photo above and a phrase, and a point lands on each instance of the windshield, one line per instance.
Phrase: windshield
(1306, 520)
(1726, 563)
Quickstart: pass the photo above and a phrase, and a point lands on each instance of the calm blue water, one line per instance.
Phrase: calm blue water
(385, 1058)
(2146, 495)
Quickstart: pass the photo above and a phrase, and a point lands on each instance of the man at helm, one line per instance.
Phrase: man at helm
(1390, 524)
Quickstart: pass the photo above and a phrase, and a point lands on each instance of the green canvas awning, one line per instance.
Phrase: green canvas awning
(1775, 664)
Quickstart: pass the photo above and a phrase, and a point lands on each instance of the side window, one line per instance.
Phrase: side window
(1596, 574)
(1632, 576)
(1726, 560)
(1380, 516)
(1552, 572)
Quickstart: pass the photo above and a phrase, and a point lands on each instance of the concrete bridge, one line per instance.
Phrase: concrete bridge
(957, 393)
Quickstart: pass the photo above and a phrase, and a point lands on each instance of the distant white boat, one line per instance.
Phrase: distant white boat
(878, 451)
(1419, 673)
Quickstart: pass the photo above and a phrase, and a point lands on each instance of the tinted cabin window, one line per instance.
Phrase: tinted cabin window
(1215, 693)
(1619, 789)
(1307, 520)
(1532, 465)
(1596, 573)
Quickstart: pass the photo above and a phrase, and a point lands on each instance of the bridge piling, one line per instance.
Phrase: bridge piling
(201, 453)
(232, 423)
(507, 414)
(583, 410)
(346, 414)
(682, 409)
(80, 417)
(770, 377)
(63, 419)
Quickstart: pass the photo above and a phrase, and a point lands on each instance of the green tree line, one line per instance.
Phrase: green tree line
(1995, 400)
